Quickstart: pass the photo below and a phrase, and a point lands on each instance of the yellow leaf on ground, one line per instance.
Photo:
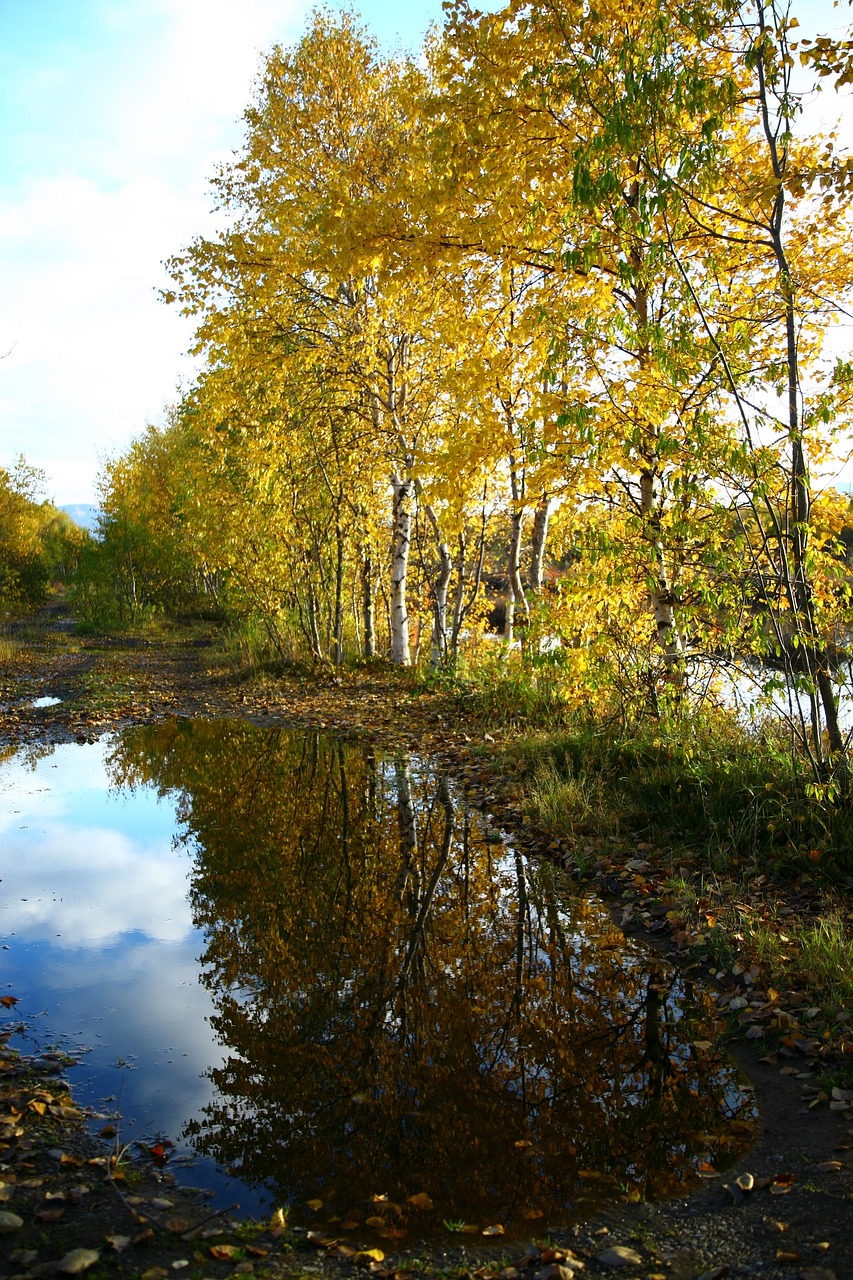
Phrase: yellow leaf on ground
(420, 1201)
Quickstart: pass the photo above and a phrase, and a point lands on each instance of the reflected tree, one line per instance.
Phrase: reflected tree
(408, 1006)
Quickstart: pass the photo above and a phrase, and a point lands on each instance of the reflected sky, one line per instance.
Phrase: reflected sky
(102, 952)
(315, 963)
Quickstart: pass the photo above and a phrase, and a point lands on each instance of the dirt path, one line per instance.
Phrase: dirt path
(796, 1222)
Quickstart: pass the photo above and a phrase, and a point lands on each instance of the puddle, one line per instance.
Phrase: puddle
(47, 701)
(312, 967)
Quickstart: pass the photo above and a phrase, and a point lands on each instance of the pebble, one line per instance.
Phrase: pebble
(9, 1222)
(78, 1260)
(619, 1255)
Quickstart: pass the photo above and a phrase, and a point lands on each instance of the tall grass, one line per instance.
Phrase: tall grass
(9, 651)
(702, 781)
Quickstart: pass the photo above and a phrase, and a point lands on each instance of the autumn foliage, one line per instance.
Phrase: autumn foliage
(537, 333)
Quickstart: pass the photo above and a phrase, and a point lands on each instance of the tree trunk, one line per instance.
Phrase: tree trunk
(461, 604)
(459, 595)
(368, 609)
(515, 591)
(661, 592)
(539, 541)
(338, 631)
(812, 651)
(438, 654)
(403, 499)
(408, 878)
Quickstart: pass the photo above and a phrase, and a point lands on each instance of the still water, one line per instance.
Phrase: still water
(315, 970)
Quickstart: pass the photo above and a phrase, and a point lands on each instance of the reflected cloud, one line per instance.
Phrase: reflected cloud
(85, 887)
(320, 969)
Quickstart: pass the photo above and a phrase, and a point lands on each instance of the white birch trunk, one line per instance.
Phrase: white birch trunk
(515, 592)
(403, 500)
(539, 542)
(438, 652)
(368, 610)
(662, 592)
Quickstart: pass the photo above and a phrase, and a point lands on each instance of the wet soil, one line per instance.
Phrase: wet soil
(797, 1221)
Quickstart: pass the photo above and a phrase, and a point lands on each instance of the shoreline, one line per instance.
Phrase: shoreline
(701, 1235)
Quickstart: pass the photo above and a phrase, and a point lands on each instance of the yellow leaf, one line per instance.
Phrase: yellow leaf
(420, 1201)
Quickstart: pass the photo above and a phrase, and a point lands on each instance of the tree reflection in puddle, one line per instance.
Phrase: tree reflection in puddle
(409, 1009)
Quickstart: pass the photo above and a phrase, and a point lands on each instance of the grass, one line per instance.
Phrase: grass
(499, 691)
(819, 953)
(753, 865)
(705, 784)
(9, 650)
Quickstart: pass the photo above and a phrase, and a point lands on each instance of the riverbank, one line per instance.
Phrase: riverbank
(801, 1166)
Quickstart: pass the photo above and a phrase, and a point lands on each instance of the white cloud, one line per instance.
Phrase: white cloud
(82, 887)
(94, 355)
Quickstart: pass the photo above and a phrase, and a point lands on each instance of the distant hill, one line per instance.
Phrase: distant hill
(84, 513)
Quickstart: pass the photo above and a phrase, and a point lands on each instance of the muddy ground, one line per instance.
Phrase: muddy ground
(63, 1210)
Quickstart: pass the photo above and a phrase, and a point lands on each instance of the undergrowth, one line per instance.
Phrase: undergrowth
(702, 782)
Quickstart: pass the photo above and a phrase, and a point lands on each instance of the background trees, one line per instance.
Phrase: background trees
(39, 545)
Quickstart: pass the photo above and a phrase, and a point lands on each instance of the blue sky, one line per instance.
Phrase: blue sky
(113, 114)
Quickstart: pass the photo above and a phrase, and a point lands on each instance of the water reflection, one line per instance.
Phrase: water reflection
(408, 1008)
(98, 939)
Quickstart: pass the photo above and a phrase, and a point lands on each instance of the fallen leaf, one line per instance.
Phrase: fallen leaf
(316, 1205)
(532, 1215)
(223, 1252)
(118, 1243)
(551, 1255)
(177, 1225)
(830, 1166)
(63, 1112)
(496, 1230)
(321, 1241)
(369, 1255)
(420, 1201)
(8, 1002)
